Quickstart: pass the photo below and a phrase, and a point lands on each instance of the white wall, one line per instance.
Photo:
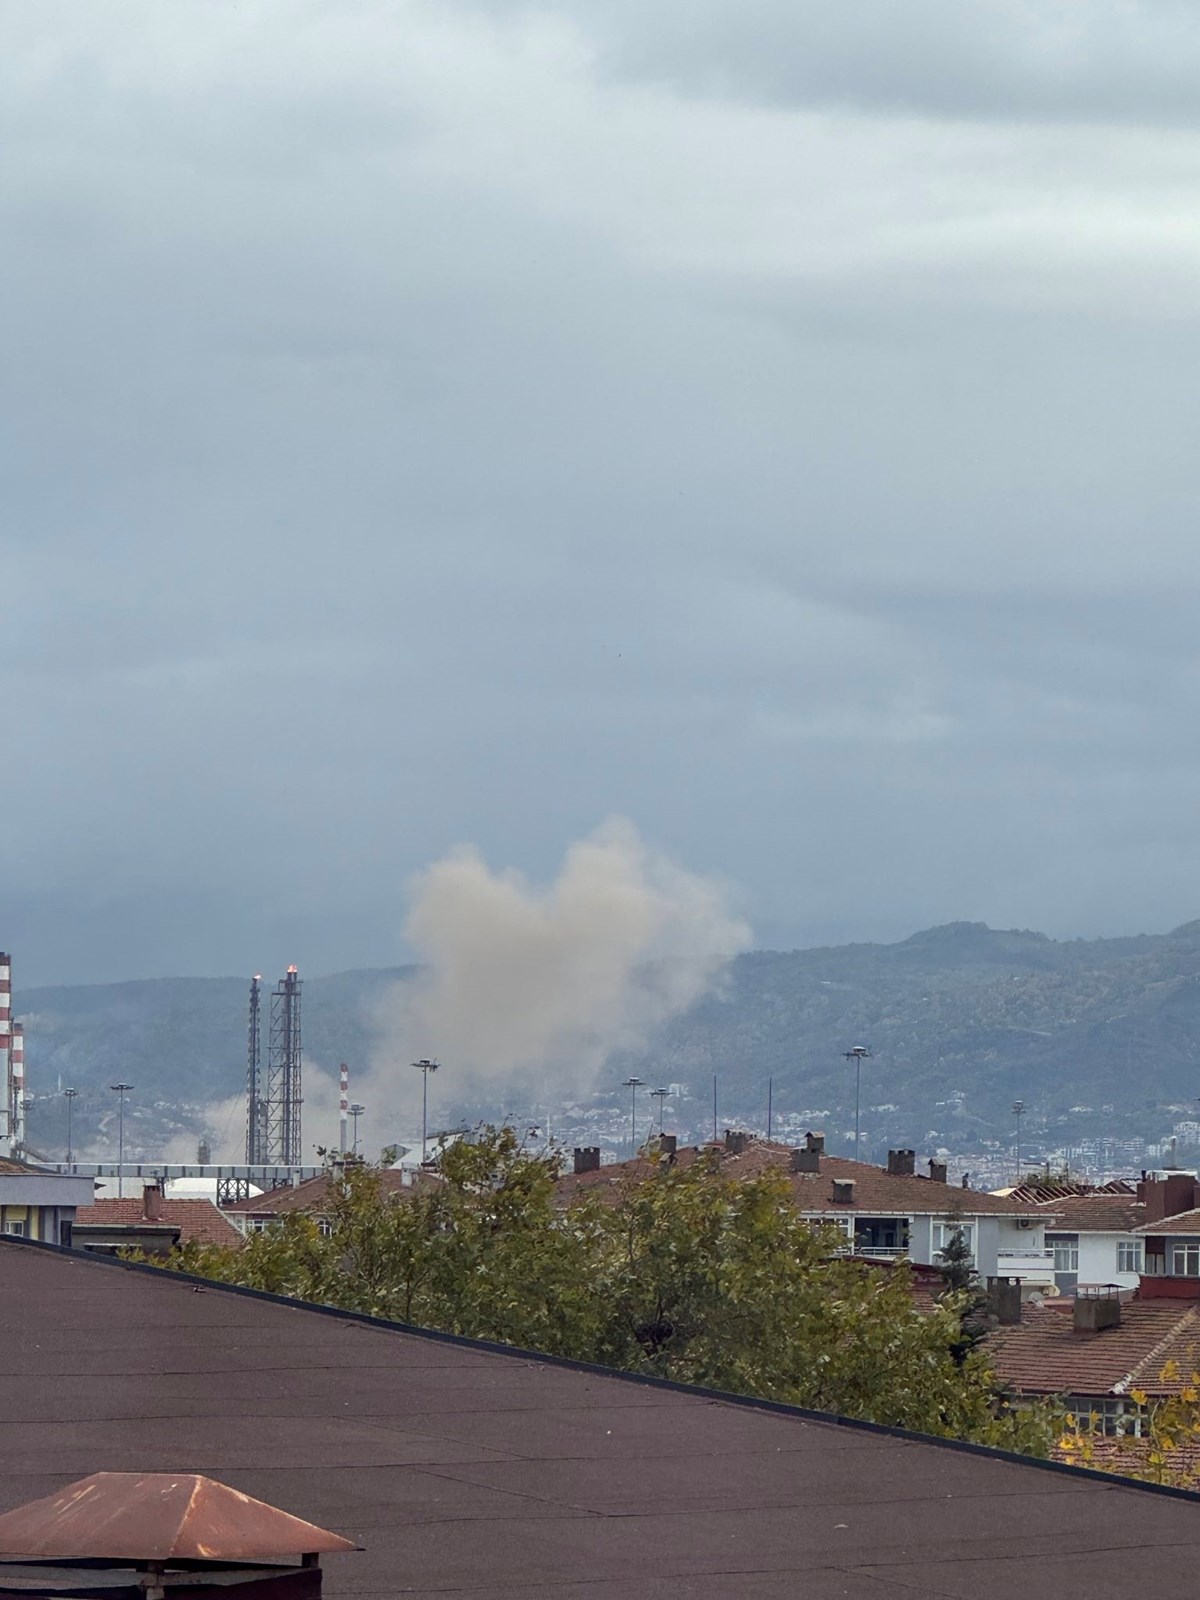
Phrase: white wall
(1098, 1259)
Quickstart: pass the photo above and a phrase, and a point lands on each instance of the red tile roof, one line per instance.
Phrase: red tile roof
(1095, 1213)
(312, 1194)
(1043, 1354)
(876, 1192)
(198, 1221)
(1181, 1222)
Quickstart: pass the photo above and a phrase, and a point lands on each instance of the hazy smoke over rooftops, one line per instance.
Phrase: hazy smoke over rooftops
(541, 985)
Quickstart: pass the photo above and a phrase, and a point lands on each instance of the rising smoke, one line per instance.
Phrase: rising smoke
(536, 987)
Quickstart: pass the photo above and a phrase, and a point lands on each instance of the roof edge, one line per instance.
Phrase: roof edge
(647, 1380)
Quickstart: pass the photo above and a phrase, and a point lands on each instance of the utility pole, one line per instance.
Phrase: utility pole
(69, 1095)
(714, 1108)
(770, 1099)
(857, 1055)
(633, 1085)
(121, 1090)
(425, 1067)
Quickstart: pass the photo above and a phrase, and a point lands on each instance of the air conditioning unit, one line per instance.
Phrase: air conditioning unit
(1024, 1222)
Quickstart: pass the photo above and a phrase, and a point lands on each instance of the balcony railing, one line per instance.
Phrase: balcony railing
(1025, 1255)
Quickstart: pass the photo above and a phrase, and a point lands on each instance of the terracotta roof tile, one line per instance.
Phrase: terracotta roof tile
(1043, 1354)
(1095, 1213)
(311, 1195)
(198, 1221)
(876, 1192)
(1181, 1222)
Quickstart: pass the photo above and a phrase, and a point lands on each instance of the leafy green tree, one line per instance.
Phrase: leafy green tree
(684, 1274)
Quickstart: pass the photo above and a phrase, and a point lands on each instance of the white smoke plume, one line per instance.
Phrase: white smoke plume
(525, 985)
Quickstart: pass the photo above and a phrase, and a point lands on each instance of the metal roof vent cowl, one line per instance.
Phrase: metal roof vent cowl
(157, 1533)
(843, 1191)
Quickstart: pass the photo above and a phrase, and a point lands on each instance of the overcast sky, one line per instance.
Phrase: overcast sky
(428, 422)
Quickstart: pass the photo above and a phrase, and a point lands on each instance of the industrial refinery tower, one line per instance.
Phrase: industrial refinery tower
(274, 1098)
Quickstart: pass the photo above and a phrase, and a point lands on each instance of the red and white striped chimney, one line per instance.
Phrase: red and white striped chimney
(18, 1084)
(7, 1131)
(344, 1107)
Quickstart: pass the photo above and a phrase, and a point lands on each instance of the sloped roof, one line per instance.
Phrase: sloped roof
(313, 1193)
(1181, 1222)
(1044, 1354)
(469, 1468)
(876, 1192)
(158, 1516)
(1095, 1213)
(198, 1221)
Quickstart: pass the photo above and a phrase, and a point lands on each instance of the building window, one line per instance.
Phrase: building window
(1185, 1260)
(1111, 1415)
(1129, 1255)
(324, 1227)
(15, 1228)
(1066, 1251)
(943, 1232)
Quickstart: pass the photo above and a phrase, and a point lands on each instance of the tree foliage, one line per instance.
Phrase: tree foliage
(683, 1274)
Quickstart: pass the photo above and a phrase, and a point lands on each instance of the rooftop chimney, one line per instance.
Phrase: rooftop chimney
(1004, 1300)
(807, 1160)
(668, 1144)
(937, 1171)
(1097, 1311)
(902, 1163)
(736, 1142)
(815, 1141)
(1167, 1197)
(843, 1191)
(152, 1202)
(587, 1159)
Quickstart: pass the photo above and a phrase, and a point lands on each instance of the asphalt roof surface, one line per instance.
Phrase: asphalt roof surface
(467, 1471)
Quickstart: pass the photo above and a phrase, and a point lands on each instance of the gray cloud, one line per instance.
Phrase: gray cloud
(421, 427)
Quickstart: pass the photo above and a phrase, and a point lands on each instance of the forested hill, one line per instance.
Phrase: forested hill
(960, 1010)
(957, 1010)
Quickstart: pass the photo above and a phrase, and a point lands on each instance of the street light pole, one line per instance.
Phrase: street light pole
(70, 1097)
(857, 1055)
(356, 1111)
(121, 1090)
(425, 1067)
(660, 1095)
(633, 1085)
(1018, 1110)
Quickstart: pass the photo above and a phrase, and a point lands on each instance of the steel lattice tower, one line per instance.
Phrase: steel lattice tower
(256, 1132)
(283, 1100)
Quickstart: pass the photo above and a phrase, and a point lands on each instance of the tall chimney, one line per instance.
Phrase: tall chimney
(152, 1202)
(7, 1129)
(18, 1083)
(902, 1163)
(806, 1160)
(937, 1171)
(815, 1141)
(587, 1159)
(344, 1105)
(736, 1141)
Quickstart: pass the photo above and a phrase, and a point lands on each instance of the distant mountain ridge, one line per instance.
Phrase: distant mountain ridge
(962, 1010)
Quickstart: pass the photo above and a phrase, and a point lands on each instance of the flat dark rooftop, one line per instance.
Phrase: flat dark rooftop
(464, 1471)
